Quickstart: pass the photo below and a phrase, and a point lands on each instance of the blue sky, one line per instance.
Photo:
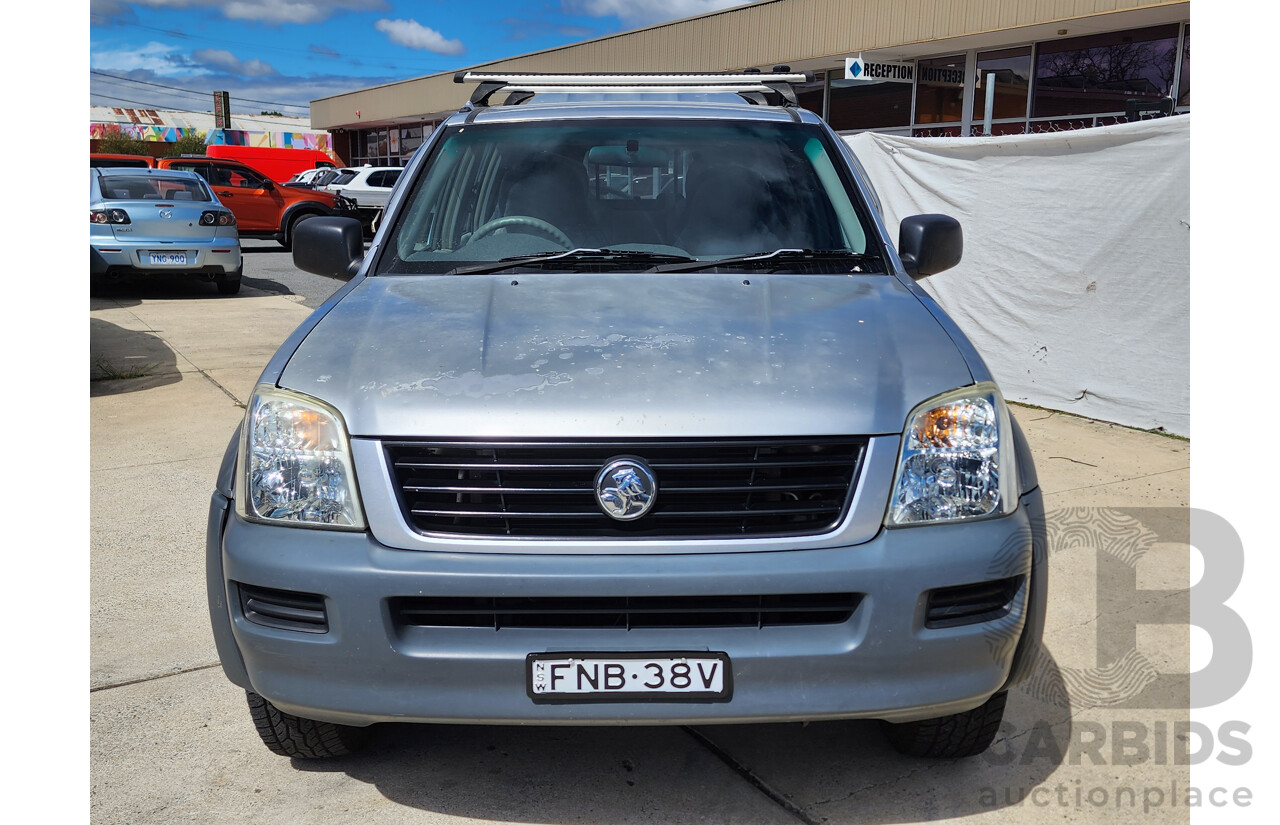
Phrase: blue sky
(276, 55)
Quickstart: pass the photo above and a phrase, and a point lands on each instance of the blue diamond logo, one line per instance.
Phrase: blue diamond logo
(857, 69)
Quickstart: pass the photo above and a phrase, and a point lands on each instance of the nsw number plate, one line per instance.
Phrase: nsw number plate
(168, 259)
(629, 677)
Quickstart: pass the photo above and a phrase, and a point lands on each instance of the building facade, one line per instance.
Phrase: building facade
(911, 67)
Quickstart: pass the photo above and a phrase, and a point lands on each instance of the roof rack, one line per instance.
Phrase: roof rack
(755, 86)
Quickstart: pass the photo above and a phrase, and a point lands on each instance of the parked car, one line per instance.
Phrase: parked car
(323, 177)
(263, 208)
(303, 179)
(145, 222)
(99, 159)
(368, 186)
(632, 414)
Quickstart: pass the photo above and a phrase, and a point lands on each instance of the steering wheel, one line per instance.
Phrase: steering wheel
(538, 225)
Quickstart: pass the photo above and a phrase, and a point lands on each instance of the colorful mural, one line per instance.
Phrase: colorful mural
(279, 140)
(219, 137)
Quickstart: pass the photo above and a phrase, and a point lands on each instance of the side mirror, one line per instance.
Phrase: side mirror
(268, 185)
(929, 244)
(329, 246)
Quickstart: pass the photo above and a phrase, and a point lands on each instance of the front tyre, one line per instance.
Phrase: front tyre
(288, 735)
(287, 240)
(949, 737)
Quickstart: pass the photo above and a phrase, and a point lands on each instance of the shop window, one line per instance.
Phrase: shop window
(809, 95)
(1012, 68)
(1098, 73)
(861, 105)
(1184, 80)
(1069, 125)
(1018, 128)
(940, 89)
(937, 131)
(410, 139)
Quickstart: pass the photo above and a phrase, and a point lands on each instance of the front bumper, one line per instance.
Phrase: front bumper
(211, 257)
(881, 663)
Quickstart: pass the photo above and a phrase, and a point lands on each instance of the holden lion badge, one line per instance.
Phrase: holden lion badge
(626, 489)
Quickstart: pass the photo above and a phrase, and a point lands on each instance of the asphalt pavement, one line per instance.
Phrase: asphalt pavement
(171, 367)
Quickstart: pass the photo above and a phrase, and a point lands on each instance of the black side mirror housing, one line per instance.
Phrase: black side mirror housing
(929, 244)
(329, 246)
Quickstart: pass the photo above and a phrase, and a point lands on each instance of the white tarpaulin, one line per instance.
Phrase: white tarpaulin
(1075, 283)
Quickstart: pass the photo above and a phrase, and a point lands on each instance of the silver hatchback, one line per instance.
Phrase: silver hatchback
(147, 222)
(632, 413)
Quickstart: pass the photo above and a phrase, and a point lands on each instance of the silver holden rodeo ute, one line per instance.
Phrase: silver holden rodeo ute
(631, 413)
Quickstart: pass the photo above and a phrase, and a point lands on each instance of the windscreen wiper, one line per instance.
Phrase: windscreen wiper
(778, 259)
(608, 257)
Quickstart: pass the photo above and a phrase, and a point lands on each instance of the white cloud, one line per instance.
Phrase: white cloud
(160, 58)
(644, 12)
(231, 64)
(414, 35)
(267, 11)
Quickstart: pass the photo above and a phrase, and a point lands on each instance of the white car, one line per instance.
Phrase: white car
(368, 186)
(305, 178)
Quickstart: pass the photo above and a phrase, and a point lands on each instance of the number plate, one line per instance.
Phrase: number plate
(629, 677)
(168, 259)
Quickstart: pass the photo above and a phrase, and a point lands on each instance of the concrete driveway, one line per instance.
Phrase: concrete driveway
(171, 739)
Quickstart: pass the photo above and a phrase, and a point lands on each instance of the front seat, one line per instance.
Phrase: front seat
(729, 210)
(554, 189)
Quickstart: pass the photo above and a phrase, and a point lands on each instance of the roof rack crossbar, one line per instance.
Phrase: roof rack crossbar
(480, 97)
(786, 91)
(751, 85)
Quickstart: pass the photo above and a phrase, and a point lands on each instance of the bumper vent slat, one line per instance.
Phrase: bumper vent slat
(971, 603)
(625, 612)
(706, 488)
(284, 609)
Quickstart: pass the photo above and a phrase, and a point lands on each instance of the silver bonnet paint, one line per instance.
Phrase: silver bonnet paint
(625, 354)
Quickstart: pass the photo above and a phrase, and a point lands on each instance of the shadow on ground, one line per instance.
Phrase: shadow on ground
(123, 360)
(827, 772)
(132, 291)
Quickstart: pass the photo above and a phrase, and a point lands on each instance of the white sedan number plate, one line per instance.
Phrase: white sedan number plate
(628, 677)
(169, 259)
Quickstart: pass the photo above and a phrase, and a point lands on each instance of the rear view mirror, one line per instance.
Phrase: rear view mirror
(329, 246)
(627, 156)
(929, 244)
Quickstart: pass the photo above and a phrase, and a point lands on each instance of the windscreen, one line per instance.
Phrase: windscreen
(696, 189)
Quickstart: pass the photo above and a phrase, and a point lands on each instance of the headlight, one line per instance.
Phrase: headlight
(954, 463)
(295, 462)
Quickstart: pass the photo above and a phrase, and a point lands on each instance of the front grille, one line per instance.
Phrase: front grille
(625, 612)
(706, 488)
(283, 609)
(971, 603)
